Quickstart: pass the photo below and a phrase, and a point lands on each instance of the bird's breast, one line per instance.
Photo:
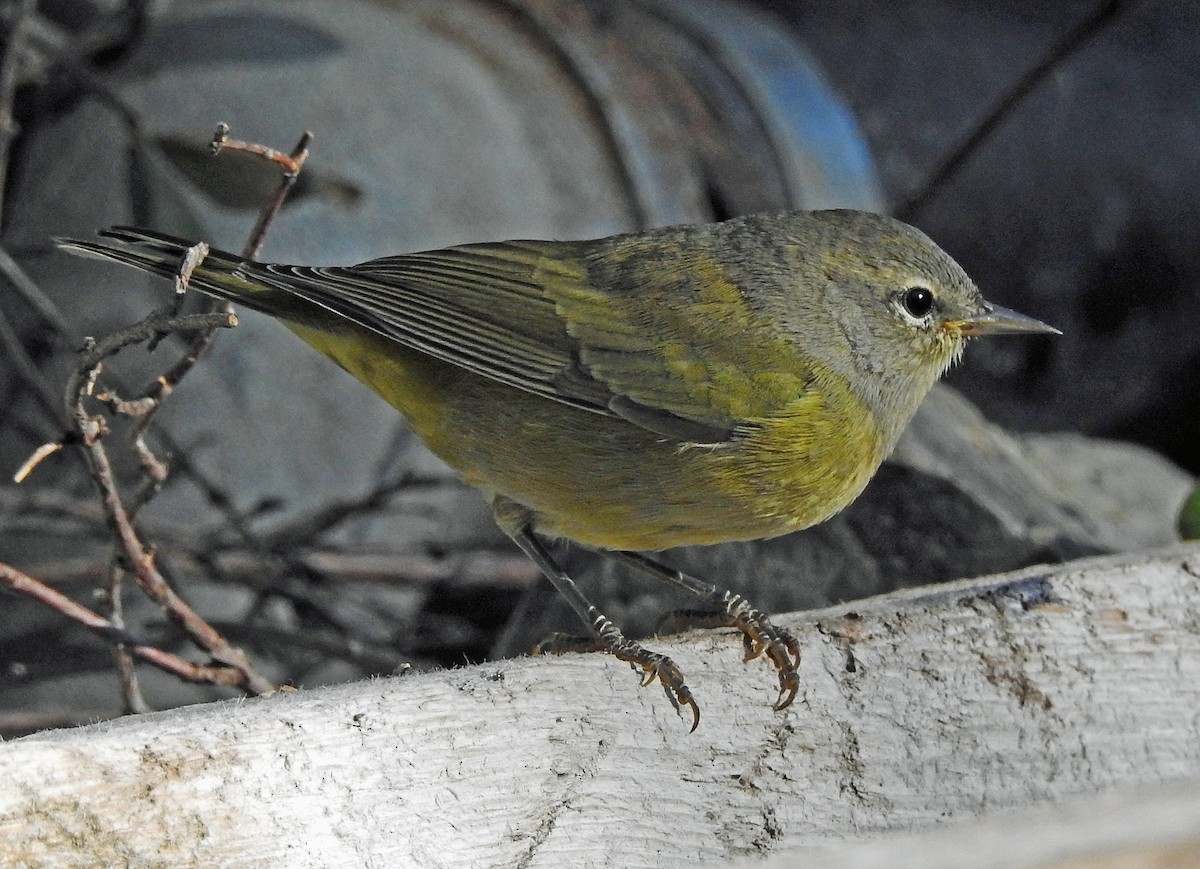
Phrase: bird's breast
(615, 486)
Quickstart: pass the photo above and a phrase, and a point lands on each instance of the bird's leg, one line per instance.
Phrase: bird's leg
(607, 636)
(733, 611)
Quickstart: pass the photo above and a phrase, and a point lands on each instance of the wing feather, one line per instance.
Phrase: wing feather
(659, 335)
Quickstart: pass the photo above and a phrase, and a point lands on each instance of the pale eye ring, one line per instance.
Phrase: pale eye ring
(917, 302)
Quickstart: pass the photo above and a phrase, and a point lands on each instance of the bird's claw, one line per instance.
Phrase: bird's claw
(760, 638)
(660, 667)
(651, 664)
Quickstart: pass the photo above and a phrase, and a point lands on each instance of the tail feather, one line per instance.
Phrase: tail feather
(161, 254)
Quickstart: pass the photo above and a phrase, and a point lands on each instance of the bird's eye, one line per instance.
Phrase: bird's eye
(917, 301)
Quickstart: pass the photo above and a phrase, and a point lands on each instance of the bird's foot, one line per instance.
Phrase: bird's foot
(651, 664)
(760, 638)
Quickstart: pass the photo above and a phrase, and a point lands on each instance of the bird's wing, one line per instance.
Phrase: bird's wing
(669, 329)
(635, 340)
(482, 307)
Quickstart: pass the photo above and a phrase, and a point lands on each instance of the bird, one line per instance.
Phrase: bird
(683, 385)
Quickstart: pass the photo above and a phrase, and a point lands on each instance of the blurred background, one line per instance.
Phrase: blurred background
(1050, 148)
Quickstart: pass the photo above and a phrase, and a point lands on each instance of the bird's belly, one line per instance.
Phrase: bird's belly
(608, 483)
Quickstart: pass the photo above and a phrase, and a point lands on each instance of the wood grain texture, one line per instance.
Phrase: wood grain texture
(1147, 827)
(918, 708)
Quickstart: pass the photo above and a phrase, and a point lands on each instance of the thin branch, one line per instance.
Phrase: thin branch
(133, 556)
(140, 561)
(26, 369)
(123, 655)
(307, 527)
(25, 287)
(155, 325)
(17, 31)
(132, 553)
(24, 584)
(969, 144)
(43, 452)
(291, 163)
(154, 470)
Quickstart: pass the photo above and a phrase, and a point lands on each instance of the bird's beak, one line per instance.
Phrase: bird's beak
(996, 320)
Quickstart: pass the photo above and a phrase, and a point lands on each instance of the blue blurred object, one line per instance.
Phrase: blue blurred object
(823, 158)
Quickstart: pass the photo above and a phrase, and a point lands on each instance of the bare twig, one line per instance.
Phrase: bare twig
(133, 555)
(38, 301)
(305, 528)
(192, 257)
(24, 584)
(42, 452)
(123, 654)
(154, 470)
(155, 325)
(292, 164)
(18, 28)
(482, 568)
(26, 369)
(158, 323)
(1020, 88)
(139, 560)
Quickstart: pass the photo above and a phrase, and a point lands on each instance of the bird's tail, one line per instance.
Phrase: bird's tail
(161, 254)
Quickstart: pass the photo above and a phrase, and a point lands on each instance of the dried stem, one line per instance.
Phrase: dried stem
(131, 692)
(140, 561)
(42, 452)
(38, 301)
(157, 324)
(24, 584)
(132, 556)
(154, 469)
(292, 164)
(969, 144)
(26, 369)
(18, 28)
